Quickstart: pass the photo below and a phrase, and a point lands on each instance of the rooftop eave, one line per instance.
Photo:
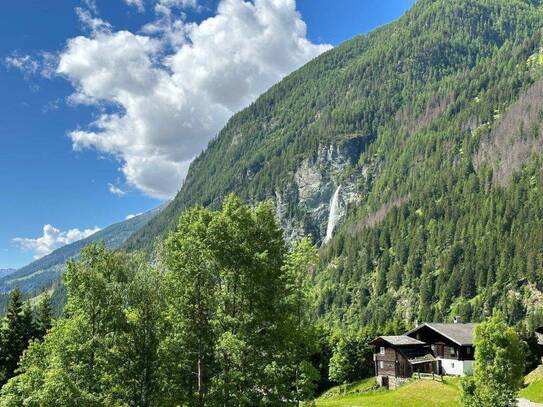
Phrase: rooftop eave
(439, 332)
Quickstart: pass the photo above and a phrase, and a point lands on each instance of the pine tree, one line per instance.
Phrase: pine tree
(44, 317)
(13, 335)
(28, 327)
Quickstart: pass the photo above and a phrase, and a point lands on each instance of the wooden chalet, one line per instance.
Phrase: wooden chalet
(431, 348)
(397, 358)
(451, 344)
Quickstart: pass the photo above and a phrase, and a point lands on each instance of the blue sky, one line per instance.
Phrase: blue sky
(111, 94)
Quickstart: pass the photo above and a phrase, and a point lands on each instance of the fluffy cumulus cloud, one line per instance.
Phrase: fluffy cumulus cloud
(165, 91)
(52, 239)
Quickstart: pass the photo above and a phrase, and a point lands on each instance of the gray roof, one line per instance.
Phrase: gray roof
(461, 334)
(400, 340)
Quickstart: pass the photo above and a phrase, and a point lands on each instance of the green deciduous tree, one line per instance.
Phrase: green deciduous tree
(104, 352)
(498, 367)
(352, 357)
(220, 319)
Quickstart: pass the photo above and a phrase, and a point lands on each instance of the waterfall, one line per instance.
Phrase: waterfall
(333, 217)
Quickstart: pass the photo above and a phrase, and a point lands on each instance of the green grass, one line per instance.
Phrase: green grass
(534, 375)
(418, 393)
(534, 389)
(352, 388)
(534, 392)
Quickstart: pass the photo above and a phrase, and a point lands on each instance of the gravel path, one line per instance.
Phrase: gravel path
(528, 403)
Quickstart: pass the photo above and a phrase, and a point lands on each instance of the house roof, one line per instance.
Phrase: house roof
(461, 334)
(399, 340)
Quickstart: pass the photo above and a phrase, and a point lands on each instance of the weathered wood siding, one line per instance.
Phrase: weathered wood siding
(388, 360)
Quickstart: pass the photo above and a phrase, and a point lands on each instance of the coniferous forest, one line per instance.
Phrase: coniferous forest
(446, 208)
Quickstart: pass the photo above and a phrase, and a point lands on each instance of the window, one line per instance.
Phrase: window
(452, 365)
(433, 347)
(453, 351)
(381, 364)
(382, 350)
(468, 350)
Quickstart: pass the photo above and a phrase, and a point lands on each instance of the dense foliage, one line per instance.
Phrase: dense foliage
(45, 273)
(21, 326)
(498, 368)
(219, 319)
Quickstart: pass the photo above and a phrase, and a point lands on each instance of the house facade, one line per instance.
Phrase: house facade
(441, 349)
(397, 358)
(451, 344)
(539, 335)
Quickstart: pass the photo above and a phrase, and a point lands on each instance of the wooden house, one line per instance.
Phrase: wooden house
(397, 358)
(440, 349)
(451, 344)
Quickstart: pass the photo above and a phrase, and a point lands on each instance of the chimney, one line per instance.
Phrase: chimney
(457, 320)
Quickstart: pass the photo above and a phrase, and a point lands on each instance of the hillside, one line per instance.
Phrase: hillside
(45, 273)
(420, 144)
(6, 272)
(419, 393)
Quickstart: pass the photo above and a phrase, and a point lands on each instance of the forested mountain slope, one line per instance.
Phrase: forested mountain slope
(428, 132)
(44, 274)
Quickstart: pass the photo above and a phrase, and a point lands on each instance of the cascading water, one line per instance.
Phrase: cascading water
(333, 217)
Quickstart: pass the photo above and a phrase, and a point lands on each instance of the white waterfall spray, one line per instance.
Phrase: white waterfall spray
(333, 217)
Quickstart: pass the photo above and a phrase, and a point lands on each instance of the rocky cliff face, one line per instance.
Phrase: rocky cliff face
(305, 206)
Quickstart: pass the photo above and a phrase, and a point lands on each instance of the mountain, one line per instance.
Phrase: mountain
(44, 273)
(414, 152)
(6, 272)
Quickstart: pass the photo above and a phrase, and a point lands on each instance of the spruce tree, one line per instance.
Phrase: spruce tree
(28, 325)
(44, 316)
(13, 336)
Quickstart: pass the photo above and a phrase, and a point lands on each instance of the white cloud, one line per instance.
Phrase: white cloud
(91, 4)
(131, 216)
(160, 5)
(136, 3)
(91, 22)
(52, 239)
(24, 63)
(44, 64)
(164, 93)
(115, 190)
